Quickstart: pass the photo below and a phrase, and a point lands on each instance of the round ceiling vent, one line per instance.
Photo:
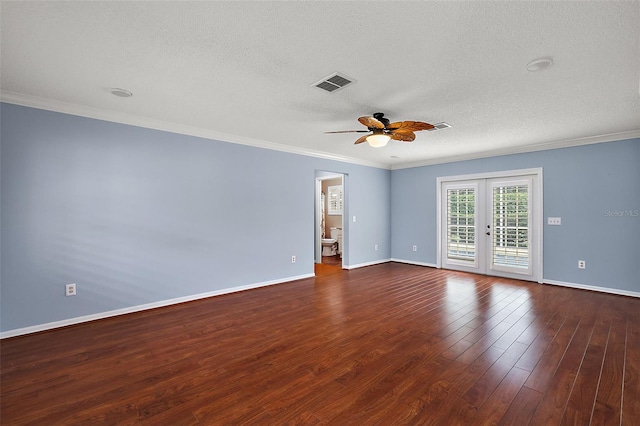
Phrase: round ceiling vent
(539, 64)
(121, 93)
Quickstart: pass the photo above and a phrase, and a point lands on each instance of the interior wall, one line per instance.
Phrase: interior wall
(593, 188)
(135, 216)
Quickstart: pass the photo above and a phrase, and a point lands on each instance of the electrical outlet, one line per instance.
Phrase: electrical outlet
(293, 259)
(582, 264)
(415, 248)
(376, 247)
(354, 218)
(70, 289)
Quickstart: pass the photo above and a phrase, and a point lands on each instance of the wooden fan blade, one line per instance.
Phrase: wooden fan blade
(403, 136)
(362, 139)
(349, 131)
(410, 126)
(371, 123)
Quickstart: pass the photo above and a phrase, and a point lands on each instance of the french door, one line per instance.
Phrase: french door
(491, 226)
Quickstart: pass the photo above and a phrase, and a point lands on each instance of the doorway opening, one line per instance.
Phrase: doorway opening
(329, 224)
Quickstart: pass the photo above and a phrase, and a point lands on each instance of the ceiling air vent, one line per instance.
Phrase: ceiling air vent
(333, 82)
(440, 126)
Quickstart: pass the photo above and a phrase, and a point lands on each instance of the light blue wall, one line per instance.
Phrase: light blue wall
(584, 185)
(136, 216)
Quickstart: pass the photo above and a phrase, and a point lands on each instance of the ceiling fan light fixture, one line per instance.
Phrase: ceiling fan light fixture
(378, 140)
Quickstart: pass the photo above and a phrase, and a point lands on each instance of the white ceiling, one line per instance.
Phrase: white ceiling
(243, 71)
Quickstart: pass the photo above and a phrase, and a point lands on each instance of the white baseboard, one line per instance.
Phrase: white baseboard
(169, 302)
(616, 291)
(593, 288)
(362, 265)
(138, 308)
(413, 262)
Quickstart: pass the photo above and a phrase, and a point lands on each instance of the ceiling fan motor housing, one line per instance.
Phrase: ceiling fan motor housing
(380, 117)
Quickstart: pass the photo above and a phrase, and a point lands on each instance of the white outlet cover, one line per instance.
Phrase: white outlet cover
(70, 289)
(554, 221)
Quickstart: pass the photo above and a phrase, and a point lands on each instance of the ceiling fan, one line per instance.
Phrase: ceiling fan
(383, 131)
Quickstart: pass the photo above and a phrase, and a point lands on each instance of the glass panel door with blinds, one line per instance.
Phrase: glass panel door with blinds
(487, 226)
(461, 247)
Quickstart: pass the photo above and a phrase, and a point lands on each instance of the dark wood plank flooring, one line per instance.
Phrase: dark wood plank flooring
(387, 344)
(332, 260)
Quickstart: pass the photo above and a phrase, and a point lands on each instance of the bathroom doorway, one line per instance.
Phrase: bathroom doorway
(329, 223)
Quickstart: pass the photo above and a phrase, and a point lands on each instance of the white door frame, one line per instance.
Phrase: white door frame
(318, 232)
(537, 212)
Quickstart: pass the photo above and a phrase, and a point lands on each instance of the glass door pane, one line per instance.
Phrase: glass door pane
(511, 214)
(461, 224)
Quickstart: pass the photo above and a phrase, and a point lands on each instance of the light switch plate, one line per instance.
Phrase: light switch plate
(554, 221)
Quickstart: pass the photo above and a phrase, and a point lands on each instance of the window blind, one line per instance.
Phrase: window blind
(511, 226)
(461, 224)
(334, 199)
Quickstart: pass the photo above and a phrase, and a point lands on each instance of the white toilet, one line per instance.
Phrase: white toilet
(330, 245)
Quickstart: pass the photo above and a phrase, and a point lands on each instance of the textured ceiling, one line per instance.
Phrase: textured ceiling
(243, 71)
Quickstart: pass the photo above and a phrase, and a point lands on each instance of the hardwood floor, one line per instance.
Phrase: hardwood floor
(386, 344)
(332, 260)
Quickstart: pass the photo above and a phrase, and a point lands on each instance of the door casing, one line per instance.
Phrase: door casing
(318, 213)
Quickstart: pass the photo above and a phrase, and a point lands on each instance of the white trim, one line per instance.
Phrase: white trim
(491, 175)
(122, 118)
(343, 223)
(539, 202)
(438, 222)
(317, 250)
(593, 288)
(147, 306)
(362, 265)
(567, 143)
(413, 262)
(151, 123)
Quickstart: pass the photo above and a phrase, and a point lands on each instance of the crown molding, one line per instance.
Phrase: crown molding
(566, 143)
(150, 123)
(139, 121)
